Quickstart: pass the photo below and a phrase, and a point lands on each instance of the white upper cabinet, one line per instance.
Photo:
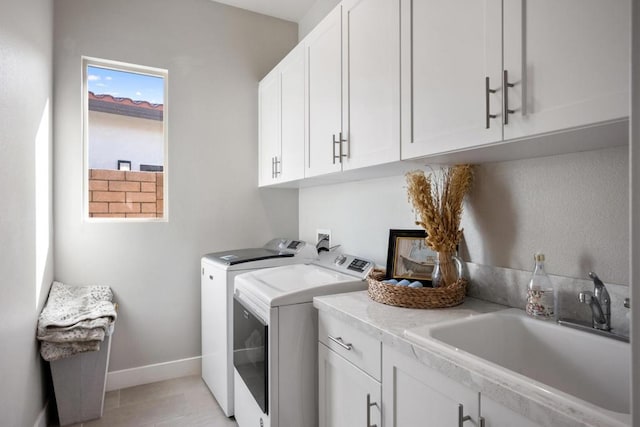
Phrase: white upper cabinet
(371, 82)
(281, 97)
(378, 81)
(292, 90)
(478, 72)
(451, 49)
(269, 126)
(323, 48)
(353, 62)
(569, 62)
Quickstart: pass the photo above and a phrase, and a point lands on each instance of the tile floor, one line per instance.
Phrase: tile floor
(183, 402)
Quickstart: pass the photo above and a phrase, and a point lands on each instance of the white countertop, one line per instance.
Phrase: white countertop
(527, 398)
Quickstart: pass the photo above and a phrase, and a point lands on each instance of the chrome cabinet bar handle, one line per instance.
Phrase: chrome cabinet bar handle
(340, 154)
(340, 342)
(348, 148)
(506, 85)
(461, 417)
(487, 92)
(273, 174)
(369, 405)
(278, 170)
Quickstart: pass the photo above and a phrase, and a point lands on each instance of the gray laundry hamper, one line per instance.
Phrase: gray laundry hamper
(79, 383)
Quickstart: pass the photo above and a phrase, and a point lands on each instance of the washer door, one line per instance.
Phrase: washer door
(250, 352)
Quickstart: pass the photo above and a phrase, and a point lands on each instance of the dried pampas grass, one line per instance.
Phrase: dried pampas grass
(438, 204)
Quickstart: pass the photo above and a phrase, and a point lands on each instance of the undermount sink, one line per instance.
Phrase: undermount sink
(593, 368)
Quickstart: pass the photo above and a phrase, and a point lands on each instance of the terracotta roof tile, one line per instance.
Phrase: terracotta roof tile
(125, 106)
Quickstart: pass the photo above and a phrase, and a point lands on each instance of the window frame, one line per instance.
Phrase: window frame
(88, 61)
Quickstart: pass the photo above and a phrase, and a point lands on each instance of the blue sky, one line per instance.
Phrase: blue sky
(138, 87)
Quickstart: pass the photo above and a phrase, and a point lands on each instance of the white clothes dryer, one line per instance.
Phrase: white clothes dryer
(218, 271)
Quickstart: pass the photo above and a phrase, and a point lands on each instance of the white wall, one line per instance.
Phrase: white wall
(316, 13)
(114, 137)
(215, 55)
(26, 255)
(574, 207)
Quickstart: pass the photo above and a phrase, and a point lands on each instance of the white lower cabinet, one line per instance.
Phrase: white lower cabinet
(414, 394)
(365, 383)
(349, 364)
(348, 397)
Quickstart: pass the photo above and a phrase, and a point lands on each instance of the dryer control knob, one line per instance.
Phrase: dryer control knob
(340, 259)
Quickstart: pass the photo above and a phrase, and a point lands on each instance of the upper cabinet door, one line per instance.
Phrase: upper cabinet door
(292, 89)
(451, 75)
(324, 73)
(371, 82)
(269, 127)
(568, 61)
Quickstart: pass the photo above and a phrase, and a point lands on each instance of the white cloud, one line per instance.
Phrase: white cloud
(108, 78)
(101, 85)
(138, 93)
(93, 77)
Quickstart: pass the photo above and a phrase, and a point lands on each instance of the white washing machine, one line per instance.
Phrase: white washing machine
(218, 272)
(275, 340)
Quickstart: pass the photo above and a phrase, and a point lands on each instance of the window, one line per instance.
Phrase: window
(125, 141)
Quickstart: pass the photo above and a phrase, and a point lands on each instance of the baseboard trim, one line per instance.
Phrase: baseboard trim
(43, 416)
(153, 373)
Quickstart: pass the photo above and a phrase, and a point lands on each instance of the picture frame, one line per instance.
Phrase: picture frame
(409, 257)
(124, 165)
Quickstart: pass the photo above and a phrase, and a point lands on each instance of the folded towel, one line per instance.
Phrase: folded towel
(85, 330)
(55, 351)
(75, 319)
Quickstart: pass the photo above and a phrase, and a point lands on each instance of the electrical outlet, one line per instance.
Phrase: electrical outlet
(323, 239)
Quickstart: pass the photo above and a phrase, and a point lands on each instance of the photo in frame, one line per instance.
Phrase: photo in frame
(409, 256)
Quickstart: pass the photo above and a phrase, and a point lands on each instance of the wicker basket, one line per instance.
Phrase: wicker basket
(404, 296)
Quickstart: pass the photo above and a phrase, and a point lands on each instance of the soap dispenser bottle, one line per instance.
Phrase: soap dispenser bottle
(540, 292)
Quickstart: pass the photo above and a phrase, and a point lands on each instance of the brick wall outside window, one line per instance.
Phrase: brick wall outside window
(123, 194)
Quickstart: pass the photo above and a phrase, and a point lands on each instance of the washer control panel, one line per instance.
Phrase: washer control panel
(344, 263)
(359, 265)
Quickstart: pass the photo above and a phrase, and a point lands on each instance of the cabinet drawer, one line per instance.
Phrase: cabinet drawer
(361, 349)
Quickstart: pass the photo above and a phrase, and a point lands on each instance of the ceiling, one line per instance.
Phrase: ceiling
(290, 10)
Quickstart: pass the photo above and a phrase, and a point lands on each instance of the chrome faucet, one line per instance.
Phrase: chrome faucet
(599, 302)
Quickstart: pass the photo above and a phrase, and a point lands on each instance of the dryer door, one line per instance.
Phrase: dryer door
(250, 352)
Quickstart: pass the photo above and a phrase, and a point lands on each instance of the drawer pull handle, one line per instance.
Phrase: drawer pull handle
(461, 417)
(369, 405)
(341, 343)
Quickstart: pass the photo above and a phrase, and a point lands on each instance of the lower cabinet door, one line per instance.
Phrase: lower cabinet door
(416, 395)
(347, 396)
